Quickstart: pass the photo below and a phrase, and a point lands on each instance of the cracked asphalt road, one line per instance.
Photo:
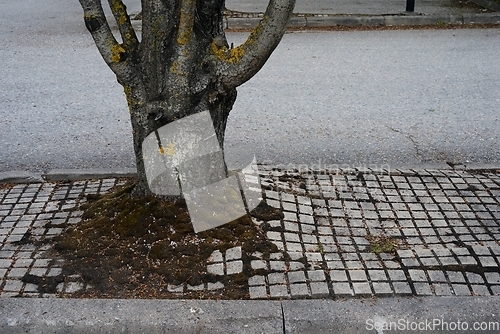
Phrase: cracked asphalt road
(372, 97)
(395, 97)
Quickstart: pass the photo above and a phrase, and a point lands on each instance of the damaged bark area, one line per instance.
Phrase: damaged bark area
(183, 64)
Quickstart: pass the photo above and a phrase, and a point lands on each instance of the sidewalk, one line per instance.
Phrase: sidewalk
(346, 233)
(330, 13)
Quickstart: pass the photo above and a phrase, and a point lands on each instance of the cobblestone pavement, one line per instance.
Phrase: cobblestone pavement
(344, 233)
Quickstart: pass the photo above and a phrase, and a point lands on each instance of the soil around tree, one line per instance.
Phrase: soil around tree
(128, 247)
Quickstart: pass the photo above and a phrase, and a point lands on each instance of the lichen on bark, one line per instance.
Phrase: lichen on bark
(182, 64)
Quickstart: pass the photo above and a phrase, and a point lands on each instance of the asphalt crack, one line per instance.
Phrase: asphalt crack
(418, 152)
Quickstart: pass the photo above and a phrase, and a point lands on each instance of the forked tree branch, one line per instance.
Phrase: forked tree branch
(113, 53)
(243, 62)
(127, 32)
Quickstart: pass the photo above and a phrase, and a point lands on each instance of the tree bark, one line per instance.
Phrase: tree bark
(183, 64)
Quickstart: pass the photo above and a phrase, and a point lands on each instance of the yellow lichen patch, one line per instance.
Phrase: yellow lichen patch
(234, 55)
(122, 19)
(116, 52)
(128, 92)
(174, 66)
(228, 55)
(254, 34)
(184, 36)
(118, 8)
(89, 17)
(128, 95)
(186, 22)
(237, 53)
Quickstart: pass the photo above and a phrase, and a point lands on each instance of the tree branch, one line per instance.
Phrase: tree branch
(240, 64)
(122, 18)
(184, 45)
(186, 21)
(159, 27)
(113, 53)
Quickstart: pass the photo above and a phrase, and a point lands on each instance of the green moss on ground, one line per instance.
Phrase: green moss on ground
(127, 247)
(383, 244)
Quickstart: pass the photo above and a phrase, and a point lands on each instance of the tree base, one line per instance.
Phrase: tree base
(129, 247)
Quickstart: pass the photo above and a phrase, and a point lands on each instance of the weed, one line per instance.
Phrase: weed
(383, 245)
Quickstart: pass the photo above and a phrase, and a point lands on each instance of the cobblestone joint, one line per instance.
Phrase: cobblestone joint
(443, 226)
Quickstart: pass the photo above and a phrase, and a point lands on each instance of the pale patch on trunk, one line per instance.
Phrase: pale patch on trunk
(183, 64)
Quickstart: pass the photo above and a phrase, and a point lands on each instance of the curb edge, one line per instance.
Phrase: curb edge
(375, 20)
(20, 177)
(86, 174)
(61, 175)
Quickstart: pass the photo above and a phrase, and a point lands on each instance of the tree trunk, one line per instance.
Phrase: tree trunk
(183, 65)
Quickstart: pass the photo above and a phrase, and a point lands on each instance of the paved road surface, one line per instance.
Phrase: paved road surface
(363, 7)
(397, 97)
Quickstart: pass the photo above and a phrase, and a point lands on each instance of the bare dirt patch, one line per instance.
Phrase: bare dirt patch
(128, 247)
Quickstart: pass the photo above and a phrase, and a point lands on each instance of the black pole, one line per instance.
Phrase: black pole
(410, 5)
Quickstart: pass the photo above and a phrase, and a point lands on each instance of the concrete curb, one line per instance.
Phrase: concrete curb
(481, 167)
(65, 175)
(20, 177)
(491, 18)
(85, 174)
(352, 316)
(55, 175)
(316, 21)
(139, 316)
(491, 5)
(207, 316)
